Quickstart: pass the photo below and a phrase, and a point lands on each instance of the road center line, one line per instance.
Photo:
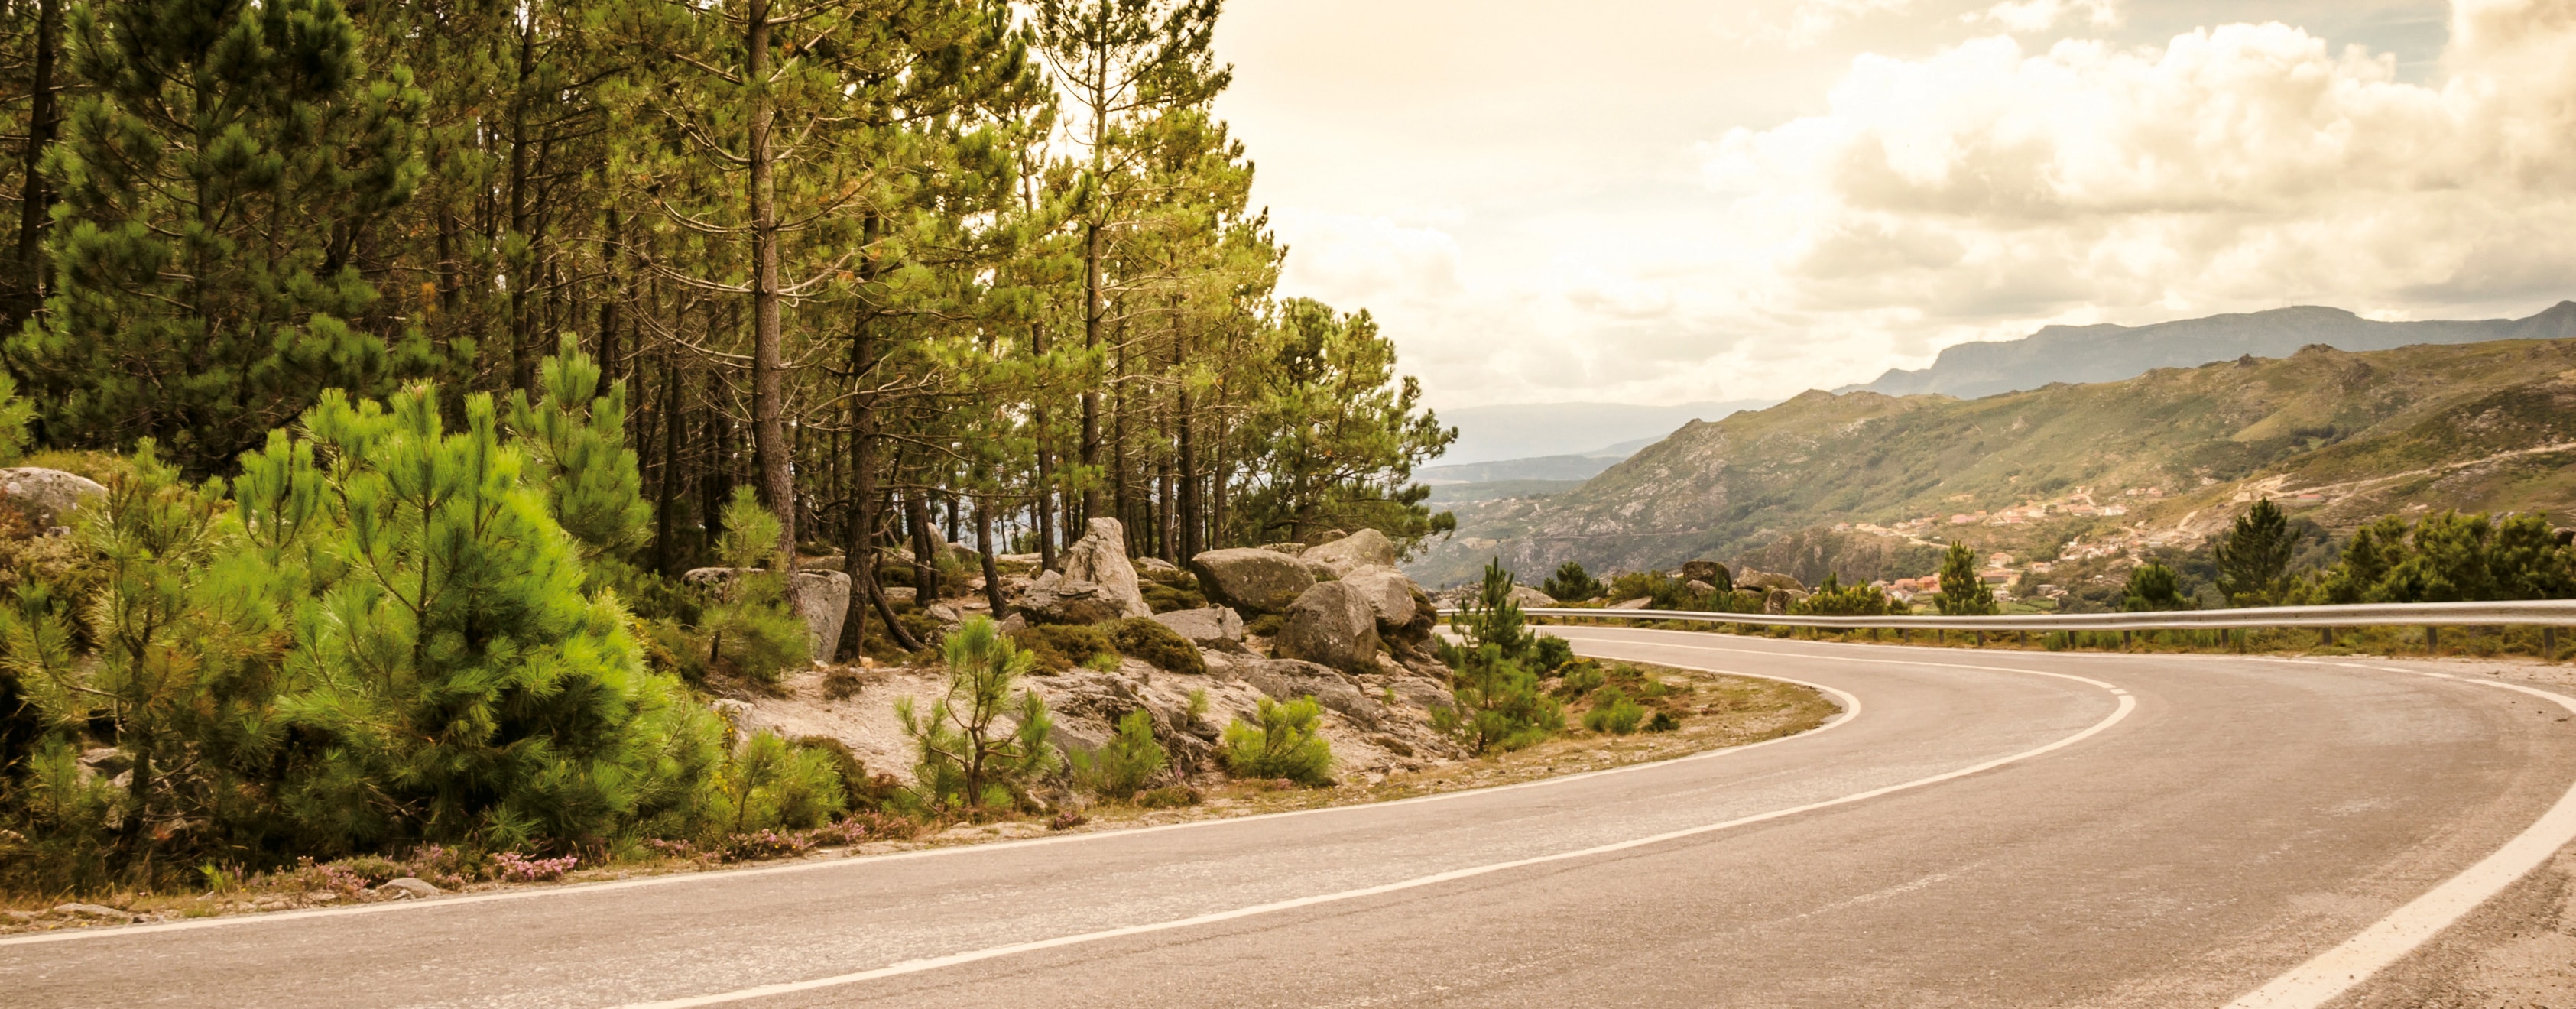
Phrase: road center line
(2331, 973)
(2127, 704)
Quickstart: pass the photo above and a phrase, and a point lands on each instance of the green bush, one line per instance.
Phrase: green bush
(771, 785)
(1550, 652)
(1146, 638)
(1264, 625)
(1577, 679)
(1614, 713)
(1286, 742)
(1834, 599)
(1571, 584)
(1121, 767)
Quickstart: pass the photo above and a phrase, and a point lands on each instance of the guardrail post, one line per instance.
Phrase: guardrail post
(2432, 640)
(2327, 637)
(2549, 643)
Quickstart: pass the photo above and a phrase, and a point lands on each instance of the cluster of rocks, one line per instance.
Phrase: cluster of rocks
(1334, 621)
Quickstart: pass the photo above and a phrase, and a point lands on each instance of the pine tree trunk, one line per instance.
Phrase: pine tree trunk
(606, 342)
(992, 568)
(35, 199)
(674, 428)
(1193, 539)
(768, 431)
(523, 361)
(925, 556)
(1093, 308)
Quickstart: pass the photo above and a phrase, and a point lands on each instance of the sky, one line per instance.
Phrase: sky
(1656, 202)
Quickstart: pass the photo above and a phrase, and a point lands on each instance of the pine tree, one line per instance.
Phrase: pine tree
(455, 682)
(574, 440)
(2152, 586)
(217, 179)
(1963, 593)
(2254, 558)
(971, 757)
(1499, 704)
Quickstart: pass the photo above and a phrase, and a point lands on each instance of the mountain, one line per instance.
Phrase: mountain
(2339, 436)
(2108, 353)
(1530, 430)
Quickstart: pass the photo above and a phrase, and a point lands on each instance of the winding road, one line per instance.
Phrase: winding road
(1977, 829)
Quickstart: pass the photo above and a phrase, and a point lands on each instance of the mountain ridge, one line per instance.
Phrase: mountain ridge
(2106, 352)
(2342, 436)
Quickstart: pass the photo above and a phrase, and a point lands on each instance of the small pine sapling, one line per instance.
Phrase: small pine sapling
(1122, 767)
(970, 757)
(1286, 741)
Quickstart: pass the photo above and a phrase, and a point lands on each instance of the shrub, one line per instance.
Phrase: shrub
(1120, 768)
(2152, 586)
(1664, 721)
(512, 867)
(1168, 797)
(771, 785)
(1614, 713)
(970, 759)
(1551, 652)
(1286, 742)
(1146, 638)
(843, 683)
(1834, 599)
(1265, 625)
(1571, 583)
(1577, 679)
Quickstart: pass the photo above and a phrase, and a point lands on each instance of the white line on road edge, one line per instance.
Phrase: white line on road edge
(1851, 708)
(2338, 970)
(2126, 704)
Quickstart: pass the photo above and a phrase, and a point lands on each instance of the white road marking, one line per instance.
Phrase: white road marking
(2338, 970)
(1851, 709)
(2126, 705)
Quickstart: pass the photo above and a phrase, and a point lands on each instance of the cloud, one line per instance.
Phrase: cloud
(1987, 188)
(1358, 259)
(2026, 16)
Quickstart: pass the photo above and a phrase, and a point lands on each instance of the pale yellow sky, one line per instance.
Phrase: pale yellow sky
(1660, 202)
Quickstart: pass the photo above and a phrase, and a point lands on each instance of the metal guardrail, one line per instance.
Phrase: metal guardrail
(2537, 613)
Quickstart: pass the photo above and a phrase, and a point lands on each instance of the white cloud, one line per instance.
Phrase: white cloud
(1986, 188)
(2026, 16)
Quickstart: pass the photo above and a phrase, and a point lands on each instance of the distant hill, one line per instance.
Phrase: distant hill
(2339, 436)
(1533, 430)
(2108, 353)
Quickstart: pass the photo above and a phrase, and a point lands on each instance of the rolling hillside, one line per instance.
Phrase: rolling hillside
(2339, 436)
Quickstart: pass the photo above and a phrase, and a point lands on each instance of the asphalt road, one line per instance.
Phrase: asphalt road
(1984, 829)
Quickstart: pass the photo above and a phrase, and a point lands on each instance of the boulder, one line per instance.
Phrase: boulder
(1331, 625)
(93, 911)
(822, 598)
(1056, 599)
(1708, 571)
(1528, 597)
(1252, 579)
(1289, 679)
(1392, 598)
(1093, 582)
(1698, 586)
(407, 886)
(898, 595)
(1217, 627)
(1639, 603)
(1762, 580)
(46, 496)
(1157, 569)
(1292, 548)
(1777, 602)
(1367, 548)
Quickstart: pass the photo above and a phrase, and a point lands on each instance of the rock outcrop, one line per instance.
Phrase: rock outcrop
(1708, 571)
(822, 598)
(1366, 548)
(1252, 579)
(1332, 625)
(1528, 597)
(1289, 679)
(47, 497)
(1216, 627)
(1095, 582)
(1765, 580)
